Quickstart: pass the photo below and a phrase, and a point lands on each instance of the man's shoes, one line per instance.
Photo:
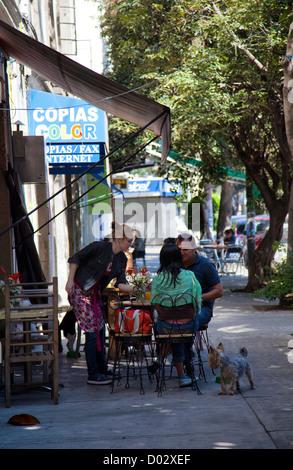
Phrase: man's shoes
(184, 381)
(99, 380)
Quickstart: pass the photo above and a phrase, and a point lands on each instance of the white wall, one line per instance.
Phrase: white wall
(89, 42)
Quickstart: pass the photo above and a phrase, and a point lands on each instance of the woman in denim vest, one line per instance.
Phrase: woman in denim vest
(91, 270)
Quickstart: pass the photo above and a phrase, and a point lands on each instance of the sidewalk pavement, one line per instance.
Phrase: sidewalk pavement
(90, 417)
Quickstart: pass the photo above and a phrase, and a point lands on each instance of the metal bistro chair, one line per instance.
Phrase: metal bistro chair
(132, 340)
(21, 343)
(176, 335)
(210, 253)
(234, 256)
(202, 339)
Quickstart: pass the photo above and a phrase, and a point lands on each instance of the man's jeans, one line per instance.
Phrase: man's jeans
(203, 317)
(96, 360)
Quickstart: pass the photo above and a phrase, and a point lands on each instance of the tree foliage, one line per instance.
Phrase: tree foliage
(217, 65)
(189, 56)
(278, 284)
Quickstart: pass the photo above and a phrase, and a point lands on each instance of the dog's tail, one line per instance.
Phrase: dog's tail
(243, 352)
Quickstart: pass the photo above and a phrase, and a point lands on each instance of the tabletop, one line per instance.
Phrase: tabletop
(135, 303)
(216, 247)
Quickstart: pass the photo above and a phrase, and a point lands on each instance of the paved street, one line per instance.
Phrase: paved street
(89, 417)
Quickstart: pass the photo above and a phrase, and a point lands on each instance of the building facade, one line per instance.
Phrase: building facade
(58, 24)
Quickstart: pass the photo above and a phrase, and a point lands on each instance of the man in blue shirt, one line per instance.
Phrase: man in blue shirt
(207, 276)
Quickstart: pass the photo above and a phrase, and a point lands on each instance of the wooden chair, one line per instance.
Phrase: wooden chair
(20, 344)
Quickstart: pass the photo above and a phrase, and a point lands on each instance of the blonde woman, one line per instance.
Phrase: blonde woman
(91, 270)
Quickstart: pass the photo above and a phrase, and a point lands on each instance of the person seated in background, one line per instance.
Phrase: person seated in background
(229, 237)
(172, 279)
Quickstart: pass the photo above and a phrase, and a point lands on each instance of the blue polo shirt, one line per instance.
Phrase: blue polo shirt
(207, 275)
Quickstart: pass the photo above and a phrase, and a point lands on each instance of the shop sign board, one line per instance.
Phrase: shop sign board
(150, 186)
(74, 131)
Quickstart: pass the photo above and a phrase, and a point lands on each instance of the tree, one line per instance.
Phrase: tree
(217, 66)
(224, 220)
(288, 111)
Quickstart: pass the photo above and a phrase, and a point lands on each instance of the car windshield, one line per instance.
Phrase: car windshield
(262, 225)
(240, 228)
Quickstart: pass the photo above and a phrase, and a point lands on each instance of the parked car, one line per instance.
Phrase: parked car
(238, 225)
(262, 225)
(281, 253)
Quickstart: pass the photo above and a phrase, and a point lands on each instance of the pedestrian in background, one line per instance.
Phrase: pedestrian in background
(250, 236)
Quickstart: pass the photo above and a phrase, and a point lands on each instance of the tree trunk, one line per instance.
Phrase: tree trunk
(225, 210)
(288, 114)
(290, 225)
(206, 228)
(249, 195)
(208, 213)
(277, 206)
(264, 254)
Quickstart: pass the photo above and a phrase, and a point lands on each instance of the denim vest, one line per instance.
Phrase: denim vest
(93, 261)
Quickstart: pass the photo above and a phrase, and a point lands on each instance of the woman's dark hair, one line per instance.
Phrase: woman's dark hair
(169, 240)
(170, 262)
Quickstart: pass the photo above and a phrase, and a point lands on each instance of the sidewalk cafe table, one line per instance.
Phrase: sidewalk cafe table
(215, 248)
(134, 344)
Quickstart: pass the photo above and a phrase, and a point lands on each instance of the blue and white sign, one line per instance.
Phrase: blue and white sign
(160, 186)
(74, 131)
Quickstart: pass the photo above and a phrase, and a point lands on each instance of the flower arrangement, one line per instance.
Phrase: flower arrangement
(15, 289)
(140, 279)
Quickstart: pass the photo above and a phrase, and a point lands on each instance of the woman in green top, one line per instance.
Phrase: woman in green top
(175, 290)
